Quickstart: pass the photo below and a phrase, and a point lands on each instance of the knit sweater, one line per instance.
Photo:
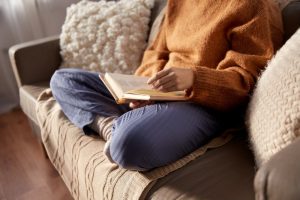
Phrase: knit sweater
(226, 43)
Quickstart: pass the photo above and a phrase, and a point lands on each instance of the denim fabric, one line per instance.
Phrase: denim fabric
(143, 138)
(82, 96)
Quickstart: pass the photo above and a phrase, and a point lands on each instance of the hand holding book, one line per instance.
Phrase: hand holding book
(127, 88)
(172, 79)
(137, 103)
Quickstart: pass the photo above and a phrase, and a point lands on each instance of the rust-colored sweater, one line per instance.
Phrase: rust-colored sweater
(226, 43)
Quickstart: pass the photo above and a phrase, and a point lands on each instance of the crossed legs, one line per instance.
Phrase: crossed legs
(143, 138)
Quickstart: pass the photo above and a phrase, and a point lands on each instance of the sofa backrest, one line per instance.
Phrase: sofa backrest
(158, 6)
(291, 19)
(290, 15)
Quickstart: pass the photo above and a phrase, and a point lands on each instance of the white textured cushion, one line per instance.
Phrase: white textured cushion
(106, 35)
(273, 116)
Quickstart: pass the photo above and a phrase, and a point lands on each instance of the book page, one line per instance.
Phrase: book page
(128, 82)
(156, 93)
(136, 87)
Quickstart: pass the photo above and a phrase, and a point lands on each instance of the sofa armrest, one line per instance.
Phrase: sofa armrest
(35, 61)
(279, 178)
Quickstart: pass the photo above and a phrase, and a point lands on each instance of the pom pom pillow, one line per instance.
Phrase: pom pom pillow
(105, 36)
(273, 116)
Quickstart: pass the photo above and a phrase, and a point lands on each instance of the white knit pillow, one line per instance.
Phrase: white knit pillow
(105, 36)
(273, 116)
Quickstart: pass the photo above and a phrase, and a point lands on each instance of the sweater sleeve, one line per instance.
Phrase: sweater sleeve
(251, 45)
(156, 55)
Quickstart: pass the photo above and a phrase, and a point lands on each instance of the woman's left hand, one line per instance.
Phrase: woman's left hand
(172, 79)
(137, 104)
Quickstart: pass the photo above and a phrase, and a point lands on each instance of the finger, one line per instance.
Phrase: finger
(134, 104)
(164, 80)
(139, 103)
(158, 75)
(170, 89)
(166, 87)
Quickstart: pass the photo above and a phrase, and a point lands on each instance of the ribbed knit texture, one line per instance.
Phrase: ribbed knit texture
(86, 171)
(273, 116)
(227, 43)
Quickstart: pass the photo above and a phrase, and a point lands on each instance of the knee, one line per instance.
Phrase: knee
(60, 79)
(131, 150)
(59, 82)
(57, 78)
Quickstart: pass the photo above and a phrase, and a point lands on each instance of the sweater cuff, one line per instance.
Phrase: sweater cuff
(205, 88)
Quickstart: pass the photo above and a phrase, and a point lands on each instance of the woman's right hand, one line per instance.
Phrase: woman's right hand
(138, 104)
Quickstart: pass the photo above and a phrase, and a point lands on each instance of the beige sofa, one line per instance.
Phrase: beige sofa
(223, 173)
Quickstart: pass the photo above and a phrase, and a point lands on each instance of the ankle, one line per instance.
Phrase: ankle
(103, 126)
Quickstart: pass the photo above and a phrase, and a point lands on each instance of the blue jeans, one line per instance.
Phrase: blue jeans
(143, 138)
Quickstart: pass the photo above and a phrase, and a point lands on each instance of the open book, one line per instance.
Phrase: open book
(125, 88)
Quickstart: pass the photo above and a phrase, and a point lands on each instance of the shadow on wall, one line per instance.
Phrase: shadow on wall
(22, 21)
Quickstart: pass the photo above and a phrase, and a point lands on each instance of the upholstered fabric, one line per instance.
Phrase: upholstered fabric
(225, 173)
(28, 98)
(39, 56)
(106, 35)
(274, 111)
(283, 3)
(291, 16)
(156, 26)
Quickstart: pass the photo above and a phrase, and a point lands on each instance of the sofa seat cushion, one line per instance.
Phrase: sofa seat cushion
(28, 98)
(224, 173)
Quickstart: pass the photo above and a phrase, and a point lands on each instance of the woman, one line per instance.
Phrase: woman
(213, 49)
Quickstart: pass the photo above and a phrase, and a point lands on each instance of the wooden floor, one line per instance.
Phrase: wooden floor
(25, 173)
